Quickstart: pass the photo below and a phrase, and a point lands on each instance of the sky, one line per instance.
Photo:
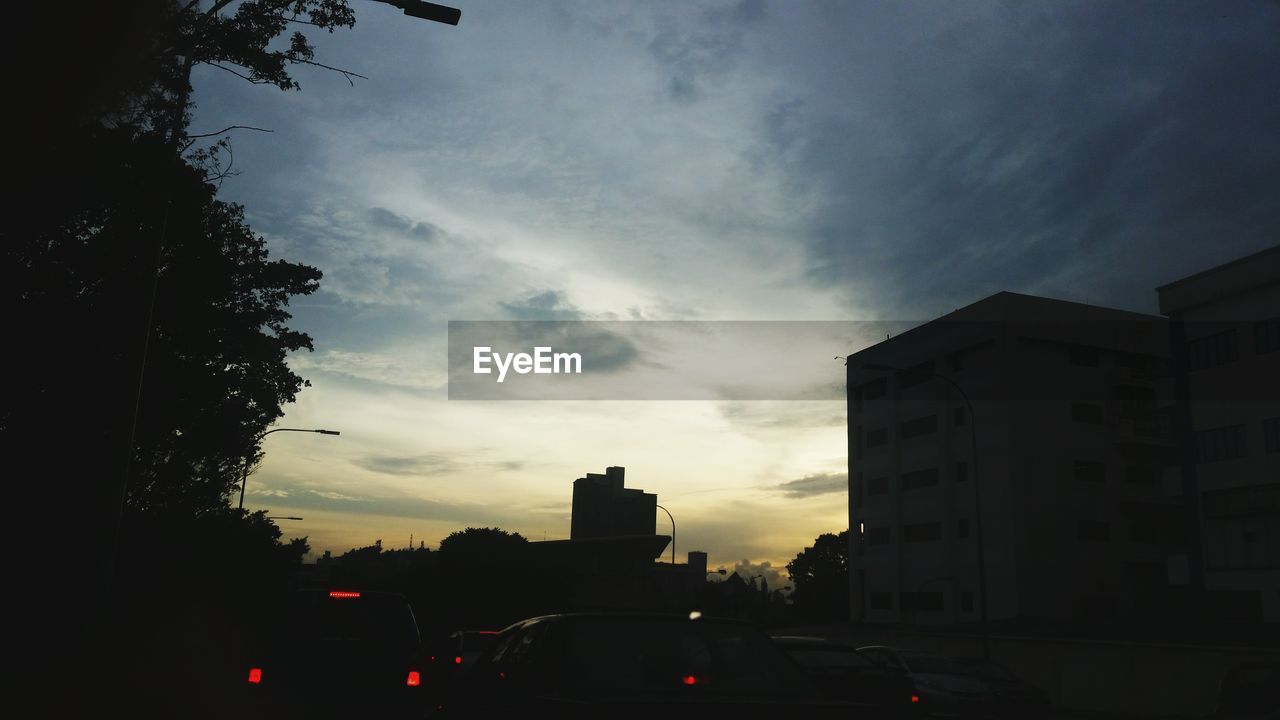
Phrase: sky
(711, 161)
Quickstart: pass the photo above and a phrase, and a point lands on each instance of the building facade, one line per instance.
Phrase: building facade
(1056, 415)
(1225, 350)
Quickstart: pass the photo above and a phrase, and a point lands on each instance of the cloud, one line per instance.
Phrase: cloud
(1086, 151)
(546, 305)
(747, 570)
(434, 464)
(394, 369)
(383, 217)
(819, 484)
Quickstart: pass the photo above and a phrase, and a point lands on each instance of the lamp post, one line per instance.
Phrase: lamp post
(977, 498)
(245, 479)
(673, 534)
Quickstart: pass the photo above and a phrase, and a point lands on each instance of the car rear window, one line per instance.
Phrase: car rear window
(371, 622)
(829, 658)
(651, 657)
(932, 664)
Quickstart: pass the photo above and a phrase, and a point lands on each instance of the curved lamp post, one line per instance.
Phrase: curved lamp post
(673, 534)
(977, 497)
(245, 479)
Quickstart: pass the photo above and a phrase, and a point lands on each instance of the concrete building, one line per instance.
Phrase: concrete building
(1073, 438)
(609, 561)
(1225, 350)
(602, 507)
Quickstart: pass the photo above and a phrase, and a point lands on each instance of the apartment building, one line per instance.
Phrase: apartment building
(1057, 415)
(1225, 350)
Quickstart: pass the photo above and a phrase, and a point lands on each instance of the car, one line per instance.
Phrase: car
(1009, 696)
(338, 652)
(1250, 692)
(844, 673)
(945, 686)
(452, 657)
(634, 665)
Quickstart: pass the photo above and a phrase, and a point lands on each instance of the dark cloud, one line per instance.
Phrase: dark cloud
(693, 54)
(545, 305)
(820, 484)
(382, 217)
(304, 498)
(1088, 150)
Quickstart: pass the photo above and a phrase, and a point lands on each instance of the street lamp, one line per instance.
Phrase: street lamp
(245, 479)
(673, 534)
(427, 11)
(977, 497)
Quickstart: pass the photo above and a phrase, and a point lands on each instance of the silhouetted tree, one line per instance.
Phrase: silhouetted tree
(820, 575)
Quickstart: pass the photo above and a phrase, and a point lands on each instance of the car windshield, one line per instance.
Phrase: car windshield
(828, 657)
(679, 657)
(988, 670)
(933, 664)
(369, 623)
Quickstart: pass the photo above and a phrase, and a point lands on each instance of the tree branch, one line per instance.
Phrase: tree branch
(346, 73)
(229, 127)
(236, 73)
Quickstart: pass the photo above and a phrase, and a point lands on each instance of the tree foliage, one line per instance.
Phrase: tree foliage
(820, 575)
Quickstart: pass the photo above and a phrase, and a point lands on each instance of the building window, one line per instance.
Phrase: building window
(919, 426)
(878, 536)
(1086, 413)
(874, 389)
(962, 528)
(1144, 529)
(921, 601)
(876, 438)
(880, 600)
(1093, 530)
(1271, 434)
(878, 486)
(915, 375)
(1224, 443)
(966, 602)
(958, 416)
(919, 479)
(962, 471)
(922, 532)
(1266, 336)
(1084, 356)
(1211, 351)
(1142, 475)
(1090, 471)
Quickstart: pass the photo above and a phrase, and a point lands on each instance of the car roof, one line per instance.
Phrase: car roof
(625, 615)
(810, 641)
(363, 593)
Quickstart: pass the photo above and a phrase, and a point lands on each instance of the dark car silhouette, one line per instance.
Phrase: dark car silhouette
(844, 673)
(946, 687)
(338, 653)
(1250, 692)
(616, 665)
(1009, 696)
(452, 657)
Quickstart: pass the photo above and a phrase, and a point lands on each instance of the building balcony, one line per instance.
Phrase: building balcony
(1152, 429)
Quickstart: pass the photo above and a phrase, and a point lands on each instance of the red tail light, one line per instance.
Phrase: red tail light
(414, 679)
(255, 675)
(689, 680)
(915, 698)
(457, 659)
(341, 594)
